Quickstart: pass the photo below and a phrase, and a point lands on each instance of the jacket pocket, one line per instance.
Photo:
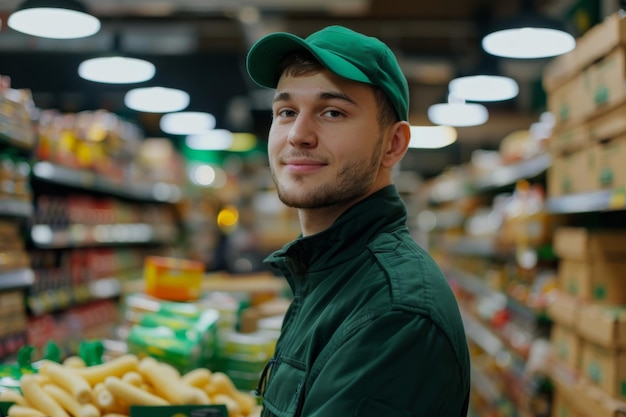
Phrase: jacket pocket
(284, 388)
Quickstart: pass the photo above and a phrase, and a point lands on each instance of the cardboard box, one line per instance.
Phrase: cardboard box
(604, 325)
(582, 244)
(592, 401)
(566, 345)
(571, 173)
(563, 309)
(590, 93)
(570, 103)
(605, 368)
(587, 399)
(560, 70)
(594, 281)
(605, 81)
(566, 140)
(563, 406)
(608, 125)
(597, 42)
(610, 166)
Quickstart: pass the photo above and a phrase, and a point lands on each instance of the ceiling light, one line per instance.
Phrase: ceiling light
(432, 137)
(116, 70)
(459, 114)
(213, 140)
(529, 34)
(156, 99)
(187, 123)
(528, 42)
(484, 88)
(56, 19)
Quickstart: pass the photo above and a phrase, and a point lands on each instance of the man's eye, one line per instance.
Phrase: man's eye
(334, 113)
(285, 113)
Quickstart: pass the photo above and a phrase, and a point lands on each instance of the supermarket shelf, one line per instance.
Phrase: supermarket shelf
(510, 174)
(472, 246)
(484, 385)
(25, 143)
(603, 200)
(499, 177)
(158, 192)
(15, 208)
(58, 299)
(20, 278)
(476, 286)
(483, 337)
(472, 284)
(79, 235)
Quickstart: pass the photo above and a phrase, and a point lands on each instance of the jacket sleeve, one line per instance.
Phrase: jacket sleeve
(399, 364)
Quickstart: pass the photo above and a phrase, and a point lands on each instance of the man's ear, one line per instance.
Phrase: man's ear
(400, 136)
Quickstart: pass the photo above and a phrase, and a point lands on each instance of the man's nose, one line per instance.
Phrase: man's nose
(303, 131)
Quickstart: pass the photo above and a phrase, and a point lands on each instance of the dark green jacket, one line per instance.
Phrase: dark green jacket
(374, 328)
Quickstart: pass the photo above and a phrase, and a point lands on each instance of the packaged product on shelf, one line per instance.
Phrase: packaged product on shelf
(243, 357)
(183, 342)
(173, 279)
(16, 107)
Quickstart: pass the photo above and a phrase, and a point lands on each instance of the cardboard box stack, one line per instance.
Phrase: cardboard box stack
(585, 92)
(588, 338)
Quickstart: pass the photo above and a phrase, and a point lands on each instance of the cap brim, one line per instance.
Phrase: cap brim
(265, 56)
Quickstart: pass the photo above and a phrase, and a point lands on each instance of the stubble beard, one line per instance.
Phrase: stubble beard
(354, 180)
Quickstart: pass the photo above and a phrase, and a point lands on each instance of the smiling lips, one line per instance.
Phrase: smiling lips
(303, 165)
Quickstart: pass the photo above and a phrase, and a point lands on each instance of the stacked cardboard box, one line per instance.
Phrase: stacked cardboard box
(589, 313)
(585, 92)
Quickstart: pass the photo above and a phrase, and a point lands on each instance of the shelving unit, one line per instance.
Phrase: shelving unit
(15, 208)
(500, 300)
(16, 279)
(91, 216)
(503, 286)
(118, 220)
(602, 200)
(17, 141)
(88, 180)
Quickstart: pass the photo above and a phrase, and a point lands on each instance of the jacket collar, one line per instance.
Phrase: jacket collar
(346, 238)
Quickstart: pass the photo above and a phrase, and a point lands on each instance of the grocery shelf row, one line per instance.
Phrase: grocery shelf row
(91, 181)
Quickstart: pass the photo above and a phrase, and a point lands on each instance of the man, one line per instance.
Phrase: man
(373, 328)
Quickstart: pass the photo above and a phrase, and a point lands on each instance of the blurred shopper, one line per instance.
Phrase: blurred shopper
(374, 328)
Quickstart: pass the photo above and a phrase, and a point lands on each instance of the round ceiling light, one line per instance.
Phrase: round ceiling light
(116, 70)
(432, 137)
(484, 88)
(528, 42)
(213, 140)
(187, 123)
(66, 19)
(458, 114)
(156, 99)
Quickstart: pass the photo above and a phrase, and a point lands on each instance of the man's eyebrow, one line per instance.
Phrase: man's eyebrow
(281, 97)
(336, 95)
(327, 95)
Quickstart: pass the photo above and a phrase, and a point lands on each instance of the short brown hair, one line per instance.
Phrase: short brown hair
(302, 62)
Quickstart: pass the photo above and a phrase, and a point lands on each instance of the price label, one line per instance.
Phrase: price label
(617, 200)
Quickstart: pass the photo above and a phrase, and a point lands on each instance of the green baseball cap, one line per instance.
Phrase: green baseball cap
(344, 52)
